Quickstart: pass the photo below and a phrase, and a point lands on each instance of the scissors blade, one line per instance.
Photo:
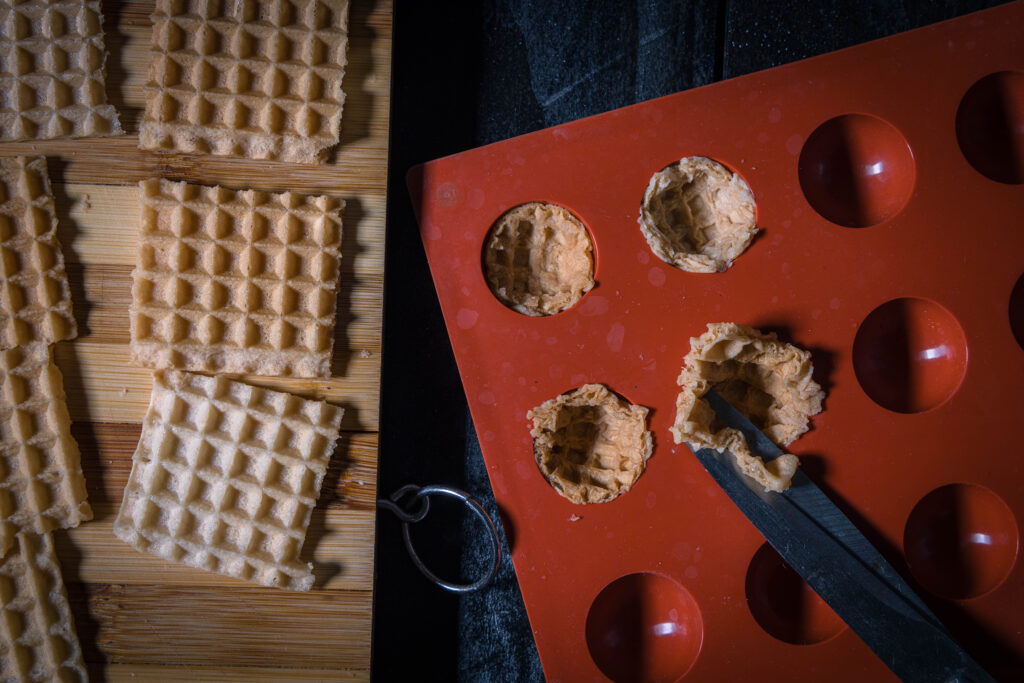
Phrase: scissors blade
(824, 547)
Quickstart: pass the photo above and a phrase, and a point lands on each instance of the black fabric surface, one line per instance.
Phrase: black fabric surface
(467, 74)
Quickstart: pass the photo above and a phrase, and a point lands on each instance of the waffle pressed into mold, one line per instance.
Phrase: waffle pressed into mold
(37, 633)
(769, 381)
(51, 71)
(36, 296)
(255, 79)
(538, 259)
(590, 444)
(226, 476)
(235, 281)
(697, 215)
(41, 482)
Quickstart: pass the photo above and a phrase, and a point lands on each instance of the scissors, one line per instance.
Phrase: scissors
(824, 547)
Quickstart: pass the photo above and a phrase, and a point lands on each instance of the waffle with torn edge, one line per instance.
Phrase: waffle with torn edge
(254, 79)
(590, 444)
(37, 633)
(36, 298)
(51, 71)
(41, 482)
(769, 381)
(225, 478)
(538, 259)
(697, 215)
(235, 281)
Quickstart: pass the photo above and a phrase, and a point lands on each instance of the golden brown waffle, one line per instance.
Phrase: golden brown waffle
(697, 215)
(590, 444)
(37, 634)
(235, 281)
(36, 303)
(255, 79)
(767, 380)
(41, 482)
(538, 259)
(51, 71)
(225, 478)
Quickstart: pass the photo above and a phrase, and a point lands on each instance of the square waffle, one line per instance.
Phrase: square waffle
(235, 281)
(51, 71)
(41, 482)
(37, 634)
(36, 298)
(226, 476)
(259, 80)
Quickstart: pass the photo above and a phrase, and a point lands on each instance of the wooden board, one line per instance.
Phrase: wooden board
(138, 617)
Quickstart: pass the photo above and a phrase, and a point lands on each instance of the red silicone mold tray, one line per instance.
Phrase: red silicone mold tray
(888, 186)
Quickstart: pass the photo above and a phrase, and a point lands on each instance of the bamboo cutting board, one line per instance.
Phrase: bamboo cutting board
(141, 618)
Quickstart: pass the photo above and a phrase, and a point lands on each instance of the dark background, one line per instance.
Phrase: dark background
(467, 74)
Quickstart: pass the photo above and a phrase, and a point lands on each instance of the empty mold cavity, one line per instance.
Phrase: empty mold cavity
(1017, 311)
(697, 215)
(644, 628)
(856, 170)
(538, 259)
(784, 605)
(961, 541)
(990, 126)
(910, 355)
(590, 444)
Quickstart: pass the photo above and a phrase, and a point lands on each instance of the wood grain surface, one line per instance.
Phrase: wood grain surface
(143, 619)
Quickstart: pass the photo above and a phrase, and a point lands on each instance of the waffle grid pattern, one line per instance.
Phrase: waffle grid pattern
(34, 291)
(37, 635)
(539, 259)
(242, 282)
(51, 71)
(254, 79)
(226, 476)
(590, 444)
(41, 482)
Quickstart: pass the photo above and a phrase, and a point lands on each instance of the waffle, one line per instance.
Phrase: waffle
(697, 215)
(589, 444)
(51, 71)
(538, 259)
(41, 482)
(37, 634)
(225, 478)
(767, 380)
(36, 304)
(255, 79)
(235, 281)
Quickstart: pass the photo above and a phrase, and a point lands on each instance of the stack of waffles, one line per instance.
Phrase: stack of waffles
(41, 482)
(236, 281)
(226, 474)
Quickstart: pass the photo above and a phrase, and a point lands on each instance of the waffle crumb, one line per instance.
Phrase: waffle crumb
(590, 444)
(538, 259)
(697, 215)
(767, 380)
(225, 478)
